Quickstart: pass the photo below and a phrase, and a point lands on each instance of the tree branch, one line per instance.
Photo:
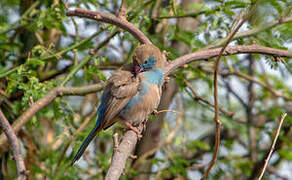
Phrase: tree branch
(231, 50)
(120, 155)
(47, 99)
(14, 146)
(111, 19)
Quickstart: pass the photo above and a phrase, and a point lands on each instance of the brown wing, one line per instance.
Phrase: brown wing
(121, 86)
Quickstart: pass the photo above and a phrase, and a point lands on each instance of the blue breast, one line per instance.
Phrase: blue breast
(154, 76)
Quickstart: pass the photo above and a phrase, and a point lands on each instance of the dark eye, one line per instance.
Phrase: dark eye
(146, 62)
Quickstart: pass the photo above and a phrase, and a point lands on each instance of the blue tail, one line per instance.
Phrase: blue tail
(85, 143)
(92, 133)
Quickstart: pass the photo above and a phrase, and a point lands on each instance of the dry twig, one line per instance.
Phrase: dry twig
(216, 70)
(272, 146)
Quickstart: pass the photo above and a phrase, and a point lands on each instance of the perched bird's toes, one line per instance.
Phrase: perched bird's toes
(155, 112)
(166, 79)
(139, 136)
(137, 131)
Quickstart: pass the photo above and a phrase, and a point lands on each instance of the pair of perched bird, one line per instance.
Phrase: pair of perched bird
(131, 93)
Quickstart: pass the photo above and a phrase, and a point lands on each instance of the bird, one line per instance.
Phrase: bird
(130, 94)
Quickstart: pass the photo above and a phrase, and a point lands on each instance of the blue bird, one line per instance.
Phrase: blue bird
(131, 93)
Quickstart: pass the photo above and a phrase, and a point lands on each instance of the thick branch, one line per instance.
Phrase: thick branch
(111, 19)
(120, 155)
(231, 50)
(14, 146)
(47, 99)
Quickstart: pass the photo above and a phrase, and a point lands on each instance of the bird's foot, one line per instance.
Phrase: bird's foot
(166, 79)
(155, 112)
(135, 129)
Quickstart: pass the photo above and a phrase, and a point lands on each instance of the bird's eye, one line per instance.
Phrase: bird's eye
(146, 62)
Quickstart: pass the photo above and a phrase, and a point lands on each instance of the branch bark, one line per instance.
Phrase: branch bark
(120, 155)
(14, 146)
(111, 19)
(231, 50)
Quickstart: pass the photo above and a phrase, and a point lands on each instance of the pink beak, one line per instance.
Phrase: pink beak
(138, 69)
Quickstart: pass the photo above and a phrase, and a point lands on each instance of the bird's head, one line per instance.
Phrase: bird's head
(147, 57)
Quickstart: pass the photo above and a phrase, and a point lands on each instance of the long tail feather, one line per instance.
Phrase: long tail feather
(85, 143)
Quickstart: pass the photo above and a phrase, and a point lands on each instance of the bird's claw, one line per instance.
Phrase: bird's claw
(166, 79)
(155, 112)
(137, 131)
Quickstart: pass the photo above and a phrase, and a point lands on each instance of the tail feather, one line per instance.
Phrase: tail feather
(98, 126)
(86, 142)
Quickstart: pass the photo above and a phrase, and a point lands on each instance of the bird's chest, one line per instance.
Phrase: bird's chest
(144, 102)
(150, 95)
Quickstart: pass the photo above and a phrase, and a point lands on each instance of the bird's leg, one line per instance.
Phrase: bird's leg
(128, 125)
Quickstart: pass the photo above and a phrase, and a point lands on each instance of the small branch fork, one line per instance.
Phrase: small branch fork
(273, 145)
(14, 146)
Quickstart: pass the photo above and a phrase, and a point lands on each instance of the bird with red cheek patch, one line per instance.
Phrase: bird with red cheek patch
(131, 93)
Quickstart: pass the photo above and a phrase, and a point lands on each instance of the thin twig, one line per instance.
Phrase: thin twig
(265, 86)
(252, 32)
(14, 146)
(273, 145)
(123, 11)
(250, 78)
(216, 117)
(199, 98)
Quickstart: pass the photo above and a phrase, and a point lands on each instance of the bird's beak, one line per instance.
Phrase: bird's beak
(138, 69)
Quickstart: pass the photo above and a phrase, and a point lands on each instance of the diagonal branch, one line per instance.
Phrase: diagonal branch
(111, 19)
(14, 146)
(46, 100)
(253, 31)
(273, 145)
(199, 98)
